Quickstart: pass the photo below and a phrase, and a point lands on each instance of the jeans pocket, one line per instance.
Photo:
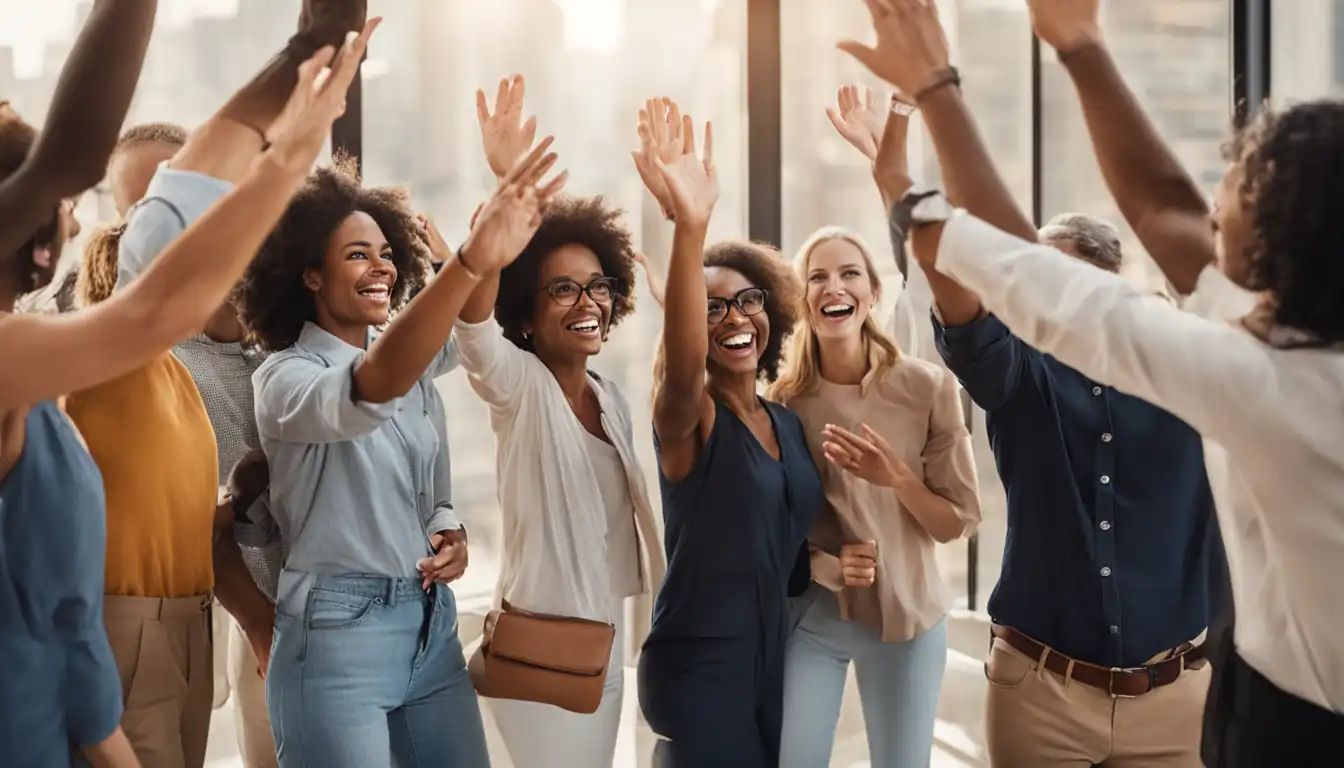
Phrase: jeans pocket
(337, 610)
(1006, 667)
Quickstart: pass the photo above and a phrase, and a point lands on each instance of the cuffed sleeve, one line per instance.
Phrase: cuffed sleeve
(949, 459)
(826, 570)
(173, 201)
(301, 401)
(985, 356)
(1099, 324)
(443, 519)
(495, 367)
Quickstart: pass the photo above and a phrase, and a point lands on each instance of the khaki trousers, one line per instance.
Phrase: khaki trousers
(256, 743)
(1034, 717)
(163, 649)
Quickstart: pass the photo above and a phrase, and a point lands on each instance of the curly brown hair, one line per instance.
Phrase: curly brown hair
(150, 133)
(1292, 191)
(273, 300)
(585, 221)
(764, 267)
(16, 141)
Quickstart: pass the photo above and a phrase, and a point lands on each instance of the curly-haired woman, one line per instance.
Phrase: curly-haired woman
(571, 489)
(366, 656)
(740, 491)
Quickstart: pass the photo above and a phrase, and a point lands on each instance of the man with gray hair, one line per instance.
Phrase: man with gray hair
(1085, 237)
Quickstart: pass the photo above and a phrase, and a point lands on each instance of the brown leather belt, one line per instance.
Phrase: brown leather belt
(1125, 683)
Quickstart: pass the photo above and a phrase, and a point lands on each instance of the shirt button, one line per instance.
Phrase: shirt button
(1096, 390)
(1105, 525)
(1106, 437)
(1105, 479)
(1115, 630)
(1105, 571)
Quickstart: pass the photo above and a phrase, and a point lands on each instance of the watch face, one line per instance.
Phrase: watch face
(932, 209)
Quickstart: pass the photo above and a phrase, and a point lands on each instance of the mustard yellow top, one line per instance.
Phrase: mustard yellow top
(150, 436)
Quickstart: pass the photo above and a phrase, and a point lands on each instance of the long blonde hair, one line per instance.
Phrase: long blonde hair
(802, 362)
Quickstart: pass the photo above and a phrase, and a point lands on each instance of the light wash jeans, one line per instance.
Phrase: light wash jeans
(363, 667)
(899, 685)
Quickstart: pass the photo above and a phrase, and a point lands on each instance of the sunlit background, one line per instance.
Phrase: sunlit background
(591, 63)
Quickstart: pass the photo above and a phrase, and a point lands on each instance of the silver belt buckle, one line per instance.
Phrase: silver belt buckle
(1110, 682)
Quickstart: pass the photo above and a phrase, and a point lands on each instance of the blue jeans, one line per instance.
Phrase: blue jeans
(898, 686)
(363, 667)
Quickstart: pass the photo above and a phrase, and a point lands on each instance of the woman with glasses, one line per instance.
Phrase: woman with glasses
(740, 490)
(571, 490)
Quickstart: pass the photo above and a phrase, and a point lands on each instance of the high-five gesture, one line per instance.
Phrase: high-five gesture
(660, 138)
(504, 133)
(1066, 25)
(691, 180)
(911, 48)
(856, 120)
(509, 220)
(318, 99)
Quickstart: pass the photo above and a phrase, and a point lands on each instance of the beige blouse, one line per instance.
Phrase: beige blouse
(917, 408)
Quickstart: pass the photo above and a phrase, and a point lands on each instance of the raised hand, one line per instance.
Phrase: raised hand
(298, 133)
(1066, 25)
(691, 180)
(509, 220)
(858, 564)
(660, 138)
(911, 47)
(856, 120)
(869, 457)
(504, 133)
(656, 281)
(439, 250)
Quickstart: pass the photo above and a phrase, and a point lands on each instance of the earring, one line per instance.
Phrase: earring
(527, 335)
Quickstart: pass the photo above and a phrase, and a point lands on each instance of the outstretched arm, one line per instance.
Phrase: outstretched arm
(87, 110)
(1156, 196)
(692, 188)
(177, 294)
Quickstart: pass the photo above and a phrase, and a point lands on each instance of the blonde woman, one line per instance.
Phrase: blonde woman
(890, 440)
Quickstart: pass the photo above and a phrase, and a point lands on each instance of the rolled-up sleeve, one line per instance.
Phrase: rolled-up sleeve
(173, 201)
(826, 569)
(444, 519)
(302, 401)
(985, 356)
(949, 460)
(495, 367)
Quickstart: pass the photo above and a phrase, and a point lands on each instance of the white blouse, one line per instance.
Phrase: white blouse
(1271, 418)
(551, 495)
(622, 540)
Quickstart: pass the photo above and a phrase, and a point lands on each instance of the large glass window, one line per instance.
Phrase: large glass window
(589, 65)
(1307, 53)
(1175, 55)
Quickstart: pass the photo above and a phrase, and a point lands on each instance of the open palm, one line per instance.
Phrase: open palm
(504, 134)
(856, 120)
(506, 223)
(660, 139)
(692, 182)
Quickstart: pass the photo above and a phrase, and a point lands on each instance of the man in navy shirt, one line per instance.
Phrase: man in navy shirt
(1102, 604)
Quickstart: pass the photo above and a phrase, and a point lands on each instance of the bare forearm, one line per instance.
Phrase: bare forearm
(1141, 172)
(87, 110)
(936, 515)
(236, 590)
(402, 355)
(971, 179)
(113, 752)
(482, 302)
(685, 342)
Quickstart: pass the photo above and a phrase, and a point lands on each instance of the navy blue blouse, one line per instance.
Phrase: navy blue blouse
(60, 686)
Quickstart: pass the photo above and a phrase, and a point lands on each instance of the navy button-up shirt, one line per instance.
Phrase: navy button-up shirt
(1110, 516)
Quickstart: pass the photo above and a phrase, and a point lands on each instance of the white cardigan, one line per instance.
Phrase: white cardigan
(555, 523)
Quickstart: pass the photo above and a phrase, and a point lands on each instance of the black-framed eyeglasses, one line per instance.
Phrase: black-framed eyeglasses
(749, 301)
(566, 292)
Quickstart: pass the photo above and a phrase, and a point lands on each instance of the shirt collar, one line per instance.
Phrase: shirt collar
(319, 342)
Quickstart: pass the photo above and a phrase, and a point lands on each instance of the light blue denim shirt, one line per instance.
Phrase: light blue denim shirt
(356, 487)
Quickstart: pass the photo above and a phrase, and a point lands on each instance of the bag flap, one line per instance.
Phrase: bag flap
(573, 646)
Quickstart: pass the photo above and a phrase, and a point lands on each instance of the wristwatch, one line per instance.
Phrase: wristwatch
(918, 208)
